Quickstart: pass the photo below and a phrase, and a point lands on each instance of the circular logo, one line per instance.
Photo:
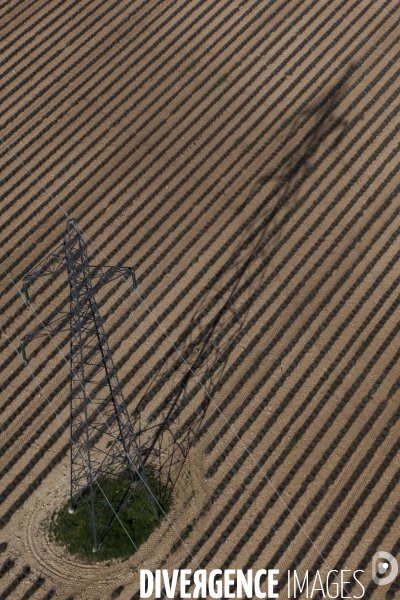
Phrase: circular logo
(382, 562)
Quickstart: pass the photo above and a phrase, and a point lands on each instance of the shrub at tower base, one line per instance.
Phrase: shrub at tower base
(135, 517)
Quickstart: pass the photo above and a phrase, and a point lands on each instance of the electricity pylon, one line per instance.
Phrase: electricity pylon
(103, 443)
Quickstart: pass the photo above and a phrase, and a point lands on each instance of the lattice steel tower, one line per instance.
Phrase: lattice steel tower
(103, 442)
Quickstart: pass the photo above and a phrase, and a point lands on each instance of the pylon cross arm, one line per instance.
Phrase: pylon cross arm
(100, 274)
(51, 328)
(52, 265)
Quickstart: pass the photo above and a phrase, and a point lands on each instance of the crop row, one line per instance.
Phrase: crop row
(126, 114)
(352, 544)
(16, 50)
(323, 402)
(352, 448)
(174, 191)
(19, 21)
(309, 450)
(349, 548)
(40, 66)
(8, 592)
(293, 171)
(111, 71)
(364, 526)
(395, 586)
(234, 521)
(5, 518)
(390, 424)
(373, 241)
(368, 293)
(39, 430)
(36, 585)
(307, 346)
(16, 394)
(6, 566)
(281, 288)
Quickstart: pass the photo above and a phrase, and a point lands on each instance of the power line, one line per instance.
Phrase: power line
(65, 430)
(164, 332)
(129, 458)
(143, 480)
(112, 434)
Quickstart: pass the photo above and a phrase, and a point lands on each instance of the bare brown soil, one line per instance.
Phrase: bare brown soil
(243, 157)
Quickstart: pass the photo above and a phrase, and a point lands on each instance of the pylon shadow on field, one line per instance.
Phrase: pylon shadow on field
(215, 341)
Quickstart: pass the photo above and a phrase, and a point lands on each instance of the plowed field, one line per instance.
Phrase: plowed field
(244, 158)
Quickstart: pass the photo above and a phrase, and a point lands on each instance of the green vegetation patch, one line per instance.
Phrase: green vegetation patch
(192, 65)
(222, 79)
(297, 436)
(136, 519)
(239, 141)
(249, 147)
